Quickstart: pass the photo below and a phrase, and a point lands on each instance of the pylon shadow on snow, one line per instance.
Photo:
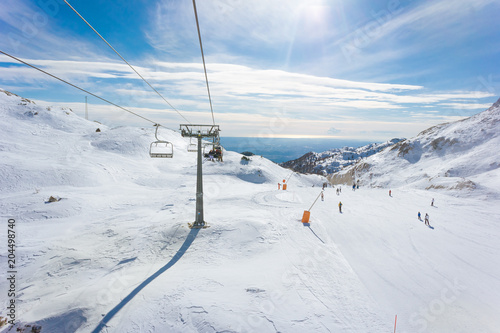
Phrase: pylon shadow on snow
(185, 246)
(309, 226)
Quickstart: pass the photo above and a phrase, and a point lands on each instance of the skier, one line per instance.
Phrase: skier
(340, 207)
(419, 216)
(279, 186)
(426, 219)
(354, 187)
(390, 193)
(322, 197)
(432, 202)
(218, 155)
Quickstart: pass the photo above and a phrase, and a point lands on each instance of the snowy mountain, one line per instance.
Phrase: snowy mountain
(461, 155)
(334, 160)
(113, 252)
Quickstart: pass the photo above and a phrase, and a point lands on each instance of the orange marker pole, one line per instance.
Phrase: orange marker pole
(307, 213)
(306, 216)
(395, 321)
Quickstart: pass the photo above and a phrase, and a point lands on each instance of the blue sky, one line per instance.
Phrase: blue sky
(352, 69)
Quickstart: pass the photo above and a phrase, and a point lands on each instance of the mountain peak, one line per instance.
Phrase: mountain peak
(335, 159)
(457, 155)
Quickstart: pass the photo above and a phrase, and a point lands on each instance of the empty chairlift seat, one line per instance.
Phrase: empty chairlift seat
(192, 147)
(161, 148)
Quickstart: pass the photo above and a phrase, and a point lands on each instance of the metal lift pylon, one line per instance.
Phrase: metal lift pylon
(199, 132)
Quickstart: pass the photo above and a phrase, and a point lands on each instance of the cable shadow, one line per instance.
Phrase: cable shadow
(185, 246)
(315, 233)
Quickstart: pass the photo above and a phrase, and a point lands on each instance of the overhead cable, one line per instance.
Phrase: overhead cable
(74, 86)
(203, 58)
(105, 41)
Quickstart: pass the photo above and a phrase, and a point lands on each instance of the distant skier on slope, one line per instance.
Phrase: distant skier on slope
(322, 197)
(340, 206)
(279, 186)
(426, 219)
(432, 202)
(419, 216)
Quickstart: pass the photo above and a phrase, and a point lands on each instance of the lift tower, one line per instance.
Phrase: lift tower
(199, 132)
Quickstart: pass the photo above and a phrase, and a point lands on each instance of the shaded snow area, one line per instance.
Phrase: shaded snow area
(115, 254)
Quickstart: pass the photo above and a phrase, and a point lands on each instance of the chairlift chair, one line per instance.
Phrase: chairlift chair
(192, 147)
(161, 148)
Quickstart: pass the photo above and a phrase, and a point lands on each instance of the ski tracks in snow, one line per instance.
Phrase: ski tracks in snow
(317, 272)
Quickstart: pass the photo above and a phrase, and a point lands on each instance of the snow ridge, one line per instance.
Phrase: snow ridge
(460, 155)
(336, 159)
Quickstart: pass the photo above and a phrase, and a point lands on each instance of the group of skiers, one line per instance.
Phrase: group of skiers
(355, 186)
(338, 191)
(426, 218)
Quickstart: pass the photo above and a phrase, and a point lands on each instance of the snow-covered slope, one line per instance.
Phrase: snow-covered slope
(115, 253)
(334, 160)
(461, 155)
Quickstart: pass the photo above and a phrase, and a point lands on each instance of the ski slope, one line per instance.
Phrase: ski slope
(115, 253)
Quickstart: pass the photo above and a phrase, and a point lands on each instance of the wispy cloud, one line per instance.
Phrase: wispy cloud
(243, 95)
(266, 58)
(173, 22)
(28, 29)
(428, 20)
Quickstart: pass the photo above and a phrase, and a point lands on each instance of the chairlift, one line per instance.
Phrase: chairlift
(161, 148)
(192, 147)
(217, 147)
(215, 150)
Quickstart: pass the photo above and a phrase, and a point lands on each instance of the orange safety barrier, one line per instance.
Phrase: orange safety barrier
(306, 216)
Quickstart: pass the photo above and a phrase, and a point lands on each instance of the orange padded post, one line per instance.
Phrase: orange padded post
(306, 216)
(284, 187)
